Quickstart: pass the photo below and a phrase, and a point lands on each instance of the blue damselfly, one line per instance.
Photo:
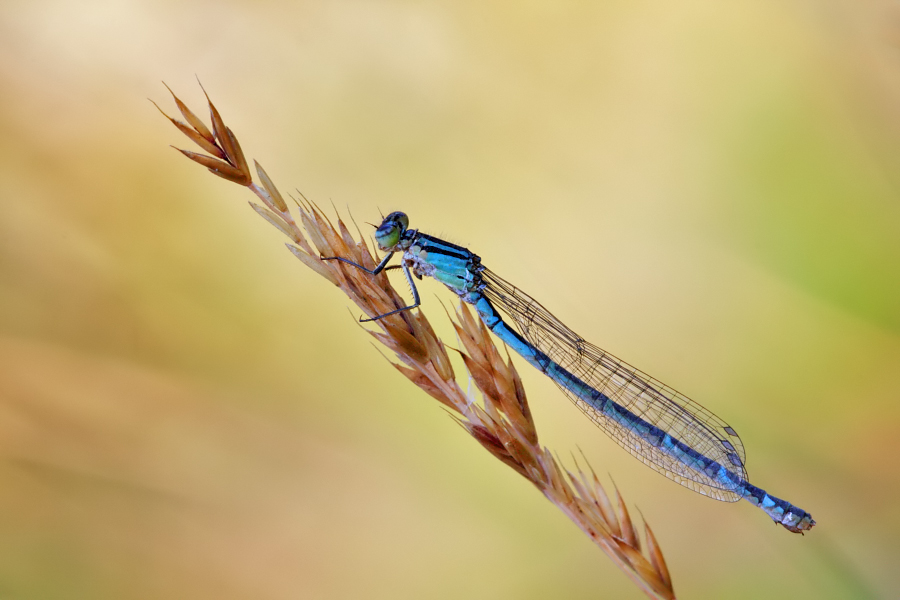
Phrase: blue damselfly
(662, 428)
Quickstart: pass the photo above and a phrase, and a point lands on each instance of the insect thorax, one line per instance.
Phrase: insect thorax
(454, 266)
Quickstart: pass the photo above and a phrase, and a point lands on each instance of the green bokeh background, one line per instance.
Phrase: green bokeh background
(709, 190)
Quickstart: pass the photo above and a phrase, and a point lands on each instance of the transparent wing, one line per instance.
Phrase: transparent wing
(642, 395)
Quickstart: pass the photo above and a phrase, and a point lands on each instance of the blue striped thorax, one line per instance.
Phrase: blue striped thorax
(427, 256)
(452, 265)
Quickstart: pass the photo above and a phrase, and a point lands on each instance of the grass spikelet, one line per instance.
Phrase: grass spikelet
(628, 532)
(502, 423)
(269, 216)
(656, 556)
(278, 202)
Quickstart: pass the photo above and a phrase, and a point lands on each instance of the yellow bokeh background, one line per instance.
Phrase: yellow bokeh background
(708, 190)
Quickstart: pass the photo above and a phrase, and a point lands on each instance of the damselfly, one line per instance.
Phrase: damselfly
(662, 428)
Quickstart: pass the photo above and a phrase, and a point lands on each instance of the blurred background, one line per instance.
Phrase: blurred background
(709, 191)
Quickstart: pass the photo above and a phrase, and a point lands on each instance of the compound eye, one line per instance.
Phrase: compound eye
(397, 217)
(388, 234)
(391, 229)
